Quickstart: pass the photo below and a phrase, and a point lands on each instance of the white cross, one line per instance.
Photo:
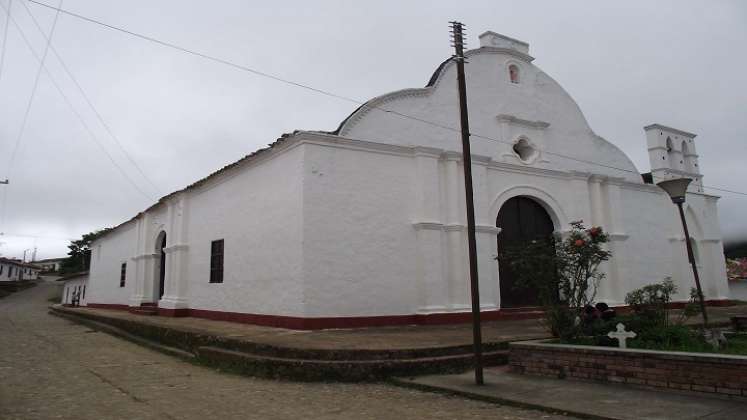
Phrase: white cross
(621, 335)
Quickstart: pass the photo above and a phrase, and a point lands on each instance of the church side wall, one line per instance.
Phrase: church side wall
(108, 254)
(257, 212)
(360, 247)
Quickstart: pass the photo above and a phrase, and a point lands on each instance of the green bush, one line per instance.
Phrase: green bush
(651, 301)
(670, 337)
(561, 322)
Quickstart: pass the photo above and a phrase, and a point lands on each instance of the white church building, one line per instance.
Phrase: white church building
(365, 225)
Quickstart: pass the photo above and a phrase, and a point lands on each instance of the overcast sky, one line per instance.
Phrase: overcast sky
(180, 117)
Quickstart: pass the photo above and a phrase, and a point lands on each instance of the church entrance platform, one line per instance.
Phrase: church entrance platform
(358, 354)
(355, 354)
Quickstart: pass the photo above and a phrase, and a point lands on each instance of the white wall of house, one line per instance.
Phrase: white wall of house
(8, 272)
(79, 285)
(16, 272)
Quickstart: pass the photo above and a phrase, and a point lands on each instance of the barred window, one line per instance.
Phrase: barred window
(123, 274)
(216, 261)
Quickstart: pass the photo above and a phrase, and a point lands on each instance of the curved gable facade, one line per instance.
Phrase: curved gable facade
(501, 111)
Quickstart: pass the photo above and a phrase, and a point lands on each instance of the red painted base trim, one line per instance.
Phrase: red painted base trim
(174, 312)
(624, 309)
(108, 306)
(299, 323)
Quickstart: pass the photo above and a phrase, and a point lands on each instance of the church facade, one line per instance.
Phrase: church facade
(366, 226)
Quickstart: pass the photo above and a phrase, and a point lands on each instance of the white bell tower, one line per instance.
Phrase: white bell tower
(672, 155)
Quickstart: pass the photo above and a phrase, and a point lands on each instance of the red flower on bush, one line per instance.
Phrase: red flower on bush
(595, 231)
(579, 243)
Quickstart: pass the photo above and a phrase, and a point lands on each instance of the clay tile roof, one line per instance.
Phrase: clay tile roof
(202, 181)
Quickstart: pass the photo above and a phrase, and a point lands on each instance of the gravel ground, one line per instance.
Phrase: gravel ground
(51, 368)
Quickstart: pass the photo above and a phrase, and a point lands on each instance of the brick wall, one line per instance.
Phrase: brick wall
(702, 373)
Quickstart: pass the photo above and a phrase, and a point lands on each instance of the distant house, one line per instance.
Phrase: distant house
(75, 284)
(49, 265)
(736, 269)
(17, 270)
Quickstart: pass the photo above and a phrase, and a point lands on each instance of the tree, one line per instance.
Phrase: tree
(79, 256)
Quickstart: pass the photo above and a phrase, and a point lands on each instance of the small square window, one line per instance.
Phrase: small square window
(216, 261)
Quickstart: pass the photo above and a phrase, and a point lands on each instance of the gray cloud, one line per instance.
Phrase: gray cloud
(180, 117)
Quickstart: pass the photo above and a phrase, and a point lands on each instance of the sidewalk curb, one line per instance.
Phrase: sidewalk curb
(404, 383)
(99, 326)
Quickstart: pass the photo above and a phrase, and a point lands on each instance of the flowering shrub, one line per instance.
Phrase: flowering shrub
(578, 258)
(564, 271)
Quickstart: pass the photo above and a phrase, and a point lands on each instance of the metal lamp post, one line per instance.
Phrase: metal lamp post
(677, 189)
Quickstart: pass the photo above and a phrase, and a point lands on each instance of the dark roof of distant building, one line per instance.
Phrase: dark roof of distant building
(18, 263)
(48, 260)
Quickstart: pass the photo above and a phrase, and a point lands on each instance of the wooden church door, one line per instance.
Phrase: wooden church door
(521, 219)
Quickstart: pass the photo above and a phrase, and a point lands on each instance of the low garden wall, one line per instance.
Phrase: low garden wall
(694, 372)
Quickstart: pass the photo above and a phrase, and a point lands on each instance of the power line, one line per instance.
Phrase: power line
(80, 118)
(90, 104)
(22, 235)
(5, 38)
(324, 92)
(30, 103)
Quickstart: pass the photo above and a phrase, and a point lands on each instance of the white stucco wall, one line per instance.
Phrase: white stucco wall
(71, 286)
(359, 244)
(385, 229)
(499, 110)
(8, 274)
(107, 256)
(16, 272)
(258, 214)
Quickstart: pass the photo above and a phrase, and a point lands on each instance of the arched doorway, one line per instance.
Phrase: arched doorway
(161, 244)
(521, 219)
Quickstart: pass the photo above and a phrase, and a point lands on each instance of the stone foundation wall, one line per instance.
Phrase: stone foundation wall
(693, 372)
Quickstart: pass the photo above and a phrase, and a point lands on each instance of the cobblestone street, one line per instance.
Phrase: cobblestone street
(51, 368)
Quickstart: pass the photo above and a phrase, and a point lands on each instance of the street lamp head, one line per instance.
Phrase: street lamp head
(676, 188)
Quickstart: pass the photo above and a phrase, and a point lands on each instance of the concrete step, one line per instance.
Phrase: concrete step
(339, 370)
(145, 310)
(304, 364)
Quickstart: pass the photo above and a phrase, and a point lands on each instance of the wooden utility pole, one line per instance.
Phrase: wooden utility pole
(691, 257)
(458, 39)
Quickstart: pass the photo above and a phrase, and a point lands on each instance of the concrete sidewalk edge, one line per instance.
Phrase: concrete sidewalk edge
(406, 383)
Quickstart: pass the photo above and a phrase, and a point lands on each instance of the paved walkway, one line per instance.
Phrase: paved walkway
(606, 401)
(54, 369)
(378, 338)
